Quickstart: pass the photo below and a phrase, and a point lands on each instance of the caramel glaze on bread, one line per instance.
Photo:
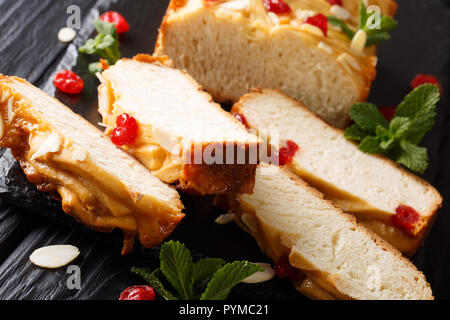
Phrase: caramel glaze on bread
(97, 183)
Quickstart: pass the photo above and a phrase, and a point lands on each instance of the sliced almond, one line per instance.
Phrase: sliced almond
(311, 29)
(225, 218)
(348, 62)
(237, 5)
(261, 276)
(359, 41)
(304, 14)
(340, 12)
(53, 257)
(167, 141)
(66, 34)
(11, 113)
(51, 145)
(322, 45)
(2, 127)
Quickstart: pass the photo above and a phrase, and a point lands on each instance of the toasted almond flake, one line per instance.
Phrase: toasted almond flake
(311, 29)
(101, 124)
(348, 61)
(322, 45)
(66, 34)
(340, 12)
(261, 276)
(50, 145)
(304, 14)
(225, 218)
(11, 113)
(273, 18)
(2, 127)
(53, 257)
(237, 5)
(359, 41)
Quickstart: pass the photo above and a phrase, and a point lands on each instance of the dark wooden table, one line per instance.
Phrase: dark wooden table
(29, 48)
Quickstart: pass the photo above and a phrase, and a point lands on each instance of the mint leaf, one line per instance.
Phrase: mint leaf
(227, 277)
(371, 145)
(104, 27)
(367, 117)
(388, 24)
(341, 24)
(420, 107)
(413, 157)
(153, 279)
(377, 38)
(355, 133)
(399, 126)
(363, 17)
(204, 269)
(177, 267)
(386, 138)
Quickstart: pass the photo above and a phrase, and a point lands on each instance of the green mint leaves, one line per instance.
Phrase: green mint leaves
(105, 45)
(206, 279)
(375, 33)
(399, 139)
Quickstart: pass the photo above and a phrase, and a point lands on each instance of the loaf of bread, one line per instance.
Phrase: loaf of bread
(232, 46)
(369, 186)
(97, 183)
(184, 137)
(340, 258)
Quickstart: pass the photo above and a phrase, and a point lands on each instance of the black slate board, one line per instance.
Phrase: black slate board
(29, 48)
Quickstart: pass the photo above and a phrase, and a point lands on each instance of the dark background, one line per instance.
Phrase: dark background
(28, 220)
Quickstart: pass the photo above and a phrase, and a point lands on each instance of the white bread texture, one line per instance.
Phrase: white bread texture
(341, 258)
(176, 117)
(369, 186)
(97, 183)
(230, 51)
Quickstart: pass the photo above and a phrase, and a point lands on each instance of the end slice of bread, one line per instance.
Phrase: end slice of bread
(97, 183)
(368, 186)
(341, 258)
(232, 46)
(183, 135)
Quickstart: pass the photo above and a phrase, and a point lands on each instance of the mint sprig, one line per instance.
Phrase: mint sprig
(105, 45)
(398, 139)
(374, 35)
(206, 279)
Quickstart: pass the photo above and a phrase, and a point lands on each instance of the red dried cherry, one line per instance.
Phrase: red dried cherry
(117, 19)
(69, 82)
(405, 218)
(335, 2)
(421, 79)
(287, 153)
(283, 269)
(277, 6)
(388, 112)
(127, 130)
(138, 293)
(241, 118)
(320, 21)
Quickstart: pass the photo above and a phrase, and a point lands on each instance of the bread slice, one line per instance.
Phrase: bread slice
(232, 46)
(341, 258)
(97, 183)
(371, 187)
(184, 136)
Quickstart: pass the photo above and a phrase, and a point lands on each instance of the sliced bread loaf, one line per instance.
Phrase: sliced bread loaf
(340, 258)
(232, 46)
(97, 183)
(369, 186)
(184, 136)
